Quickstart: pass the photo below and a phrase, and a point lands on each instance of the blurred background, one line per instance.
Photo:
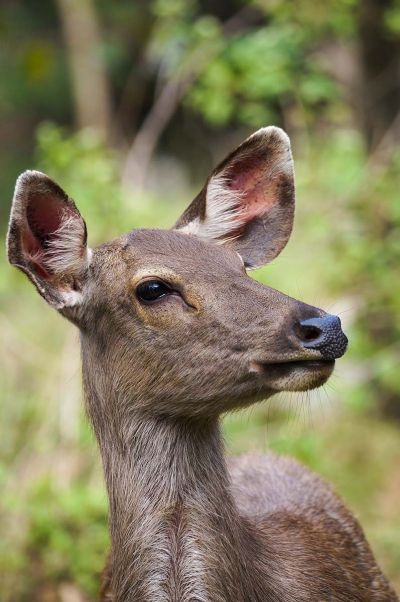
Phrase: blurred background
(128, 105)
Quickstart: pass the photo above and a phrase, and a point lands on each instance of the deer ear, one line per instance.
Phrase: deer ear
(248, 200)
(47, 239)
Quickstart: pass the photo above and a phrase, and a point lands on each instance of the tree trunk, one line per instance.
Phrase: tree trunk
(88, 75)
(380, 69)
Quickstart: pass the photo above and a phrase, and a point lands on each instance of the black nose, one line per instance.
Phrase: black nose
(324, 334)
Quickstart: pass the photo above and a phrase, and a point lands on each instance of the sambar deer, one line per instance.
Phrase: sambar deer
(174, 334)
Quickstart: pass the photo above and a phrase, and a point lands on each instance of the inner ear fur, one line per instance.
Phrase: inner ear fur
(47, 238)
(248, 200)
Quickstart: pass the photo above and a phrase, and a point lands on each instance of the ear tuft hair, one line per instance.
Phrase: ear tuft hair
(248, 200)
(65, 249)
(223, 216)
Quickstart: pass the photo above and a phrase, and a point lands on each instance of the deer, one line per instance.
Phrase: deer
(174, 334)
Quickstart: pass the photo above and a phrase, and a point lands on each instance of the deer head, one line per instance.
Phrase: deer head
(171, 323)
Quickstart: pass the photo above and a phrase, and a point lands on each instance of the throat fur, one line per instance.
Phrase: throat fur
(177, 566)
(174, 559)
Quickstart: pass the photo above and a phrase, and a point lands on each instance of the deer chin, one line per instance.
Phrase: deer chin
(301, 375)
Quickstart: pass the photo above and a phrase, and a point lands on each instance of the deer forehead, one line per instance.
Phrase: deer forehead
(167, 254)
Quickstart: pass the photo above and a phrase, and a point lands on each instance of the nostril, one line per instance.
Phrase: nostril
(307, 332)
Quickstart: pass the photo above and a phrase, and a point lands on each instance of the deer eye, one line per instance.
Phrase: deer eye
(151, 290)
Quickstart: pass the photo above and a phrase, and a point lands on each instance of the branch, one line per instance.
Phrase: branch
(140, 154)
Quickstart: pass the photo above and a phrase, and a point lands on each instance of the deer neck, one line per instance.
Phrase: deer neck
(175, 531)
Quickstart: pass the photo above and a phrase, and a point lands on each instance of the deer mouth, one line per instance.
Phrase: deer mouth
(308, 364)
(294, 375)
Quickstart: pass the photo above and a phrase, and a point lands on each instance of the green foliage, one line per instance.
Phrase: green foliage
(336, 17)
(246, 77)
(392, 18)
(87, 169)
(257, 73)
(68, 534)
(369, 269)
(65, 537)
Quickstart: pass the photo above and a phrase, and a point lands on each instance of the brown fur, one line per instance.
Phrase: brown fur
(185, 526)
